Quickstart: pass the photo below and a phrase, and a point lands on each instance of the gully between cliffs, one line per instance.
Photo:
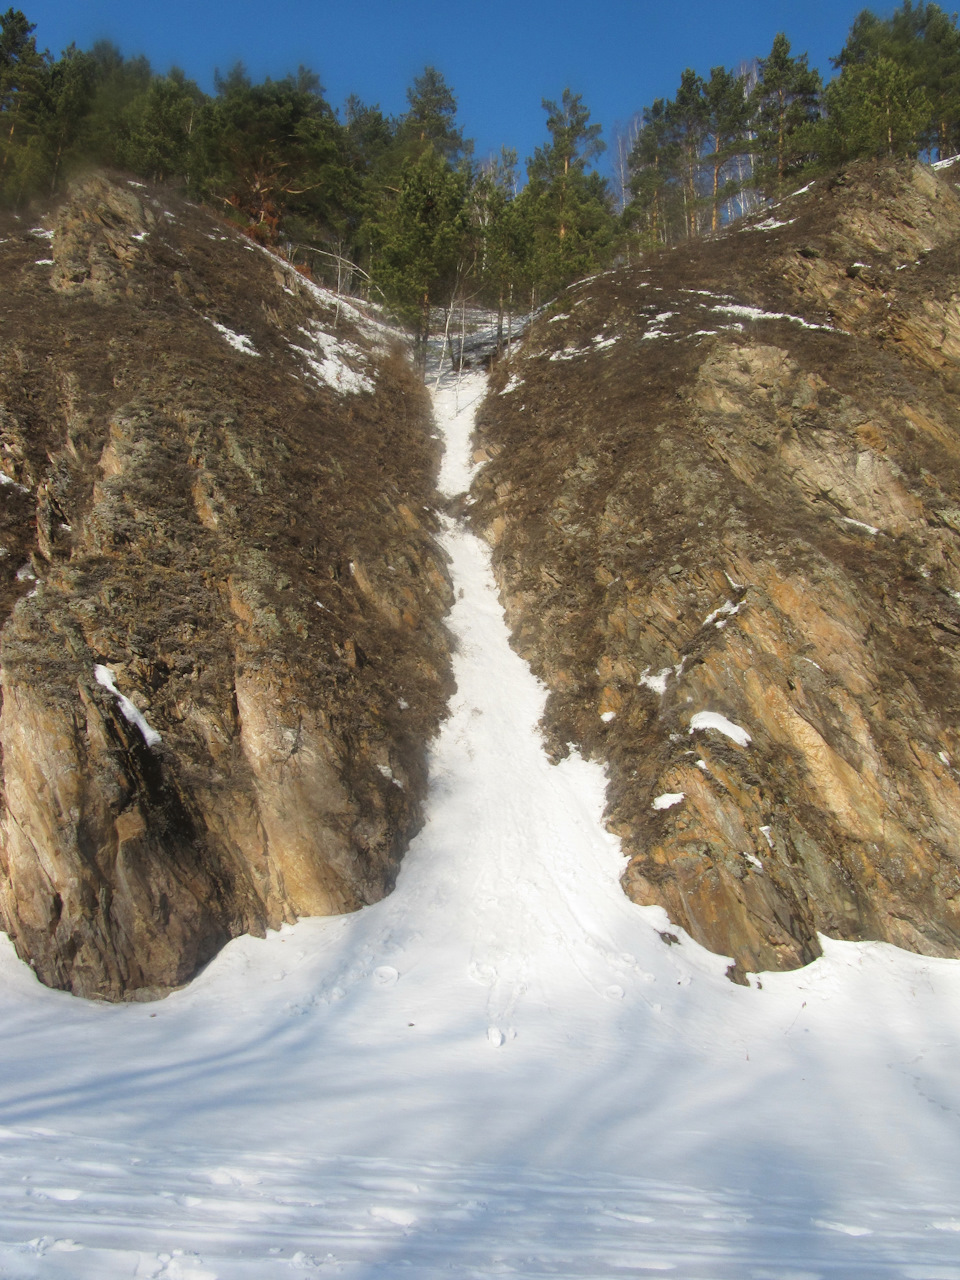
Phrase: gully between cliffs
(722, 492)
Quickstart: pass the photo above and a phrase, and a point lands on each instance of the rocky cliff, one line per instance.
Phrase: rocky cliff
(222, 645)
(722, 489)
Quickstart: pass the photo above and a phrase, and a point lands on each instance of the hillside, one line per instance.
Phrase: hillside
(723, 497)
(230, 695)
(222, 644)
(501, 1068)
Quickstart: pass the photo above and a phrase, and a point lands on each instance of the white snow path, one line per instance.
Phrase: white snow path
(501, 1069)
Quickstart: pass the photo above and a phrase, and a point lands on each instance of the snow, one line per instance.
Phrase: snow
(668, 800)
(768, 224)
(332, 360)
(859, 524)
(238, 341)
(657, 683)
(754, 313)
(361, 316)
(500, 1069)
(728, 608)
(599, 343)
(106, 678)
(656, 330)
(713, 720)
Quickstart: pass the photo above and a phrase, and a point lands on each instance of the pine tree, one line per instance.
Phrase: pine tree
(274, 150)
(875, 109)
(653, 167)
(505, 246)
(66, 102)
(728, 117)
(24, 73)
(786, 102)
(157, 131)
(419, 242)
(430, 121)
(688, 119)
(923, 42)
(569, 207)
(118, 83)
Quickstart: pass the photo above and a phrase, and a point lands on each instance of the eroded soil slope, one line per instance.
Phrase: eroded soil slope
(723, 492)
(222, 646)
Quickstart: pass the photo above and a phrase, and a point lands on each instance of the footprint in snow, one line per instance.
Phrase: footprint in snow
(49, 1244)
(842, 1227)
(309, 1260)
(396, 1217)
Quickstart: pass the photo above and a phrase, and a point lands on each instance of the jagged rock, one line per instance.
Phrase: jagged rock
(755, 516)
(223, 652)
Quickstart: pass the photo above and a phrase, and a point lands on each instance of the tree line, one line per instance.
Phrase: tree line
(399, 205)
(726, 142)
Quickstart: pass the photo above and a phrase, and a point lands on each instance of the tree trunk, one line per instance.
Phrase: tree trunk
(7, 149)
(56, 167)
(423, 331)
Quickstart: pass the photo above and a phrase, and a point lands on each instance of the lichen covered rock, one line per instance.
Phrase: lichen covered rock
(725, 483)
(222, 650)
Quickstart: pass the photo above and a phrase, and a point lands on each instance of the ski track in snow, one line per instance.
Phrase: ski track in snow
(501, 1069)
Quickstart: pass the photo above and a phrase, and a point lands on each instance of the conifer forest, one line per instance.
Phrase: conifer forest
(402, 210)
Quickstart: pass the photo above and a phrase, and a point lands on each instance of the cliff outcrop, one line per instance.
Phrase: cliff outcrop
(722, 488)
(222, 650)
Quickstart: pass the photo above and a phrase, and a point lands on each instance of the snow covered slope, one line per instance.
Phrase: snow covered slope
(505, 1068)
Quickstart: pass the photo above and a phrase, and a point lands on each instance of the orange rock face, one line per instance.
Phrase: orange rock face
(748, 504)
(222, 498)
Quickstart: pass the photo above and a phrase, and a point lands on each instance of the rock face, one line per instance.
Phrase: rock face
(222, 651)
(723, 493)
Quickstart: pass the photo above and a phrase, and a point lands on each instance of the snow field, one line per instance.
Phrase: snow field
(501, 1069)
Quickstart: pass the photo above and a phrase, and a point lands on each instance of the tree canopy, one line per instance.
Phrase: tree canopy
(402, 203)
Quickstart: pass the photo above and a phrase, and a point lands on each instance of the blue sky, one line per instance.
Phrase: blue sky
(501, 57)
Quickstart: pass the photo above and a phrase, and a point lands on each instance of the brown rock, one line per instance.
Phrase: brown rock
(192, 517)
(762, 515)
